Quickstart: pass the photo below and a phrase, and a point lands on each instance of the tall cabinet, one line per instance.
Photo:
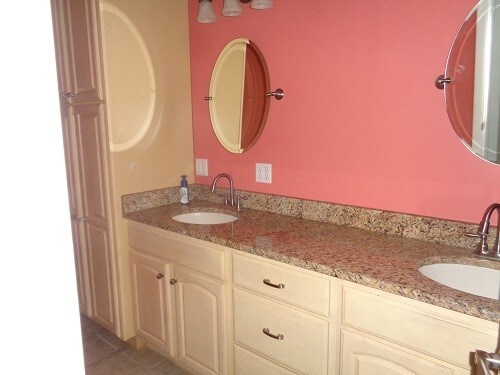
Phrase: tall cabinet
(85, 141)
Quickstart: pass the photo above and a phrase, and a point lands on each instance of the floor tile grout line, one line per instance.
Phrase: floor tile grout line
(110, 343)
(95, 331)
(101, 359)
(153, 366)
(143, 366)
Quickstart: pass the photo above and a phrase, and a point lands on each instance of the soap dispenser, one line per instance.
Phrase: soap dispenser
(184, 192)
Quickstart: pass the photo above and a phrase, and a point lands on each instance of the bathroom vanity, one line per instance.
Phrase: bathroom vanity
(274, 294)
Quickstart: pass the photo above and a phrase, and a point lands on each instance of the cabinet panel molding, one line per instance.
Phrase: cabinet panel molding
(417, 327)
(75, 211)
(87, 149)
(206, 259)
(298, 288)
(200, 305)
(77, 50)
(364, 356)
(92, 162)
(249, 363)
(304, 346)
(152, 301)
(100, 275)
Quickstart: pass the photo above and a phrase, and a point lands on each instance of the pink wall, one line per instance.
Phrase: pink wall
(361, 122)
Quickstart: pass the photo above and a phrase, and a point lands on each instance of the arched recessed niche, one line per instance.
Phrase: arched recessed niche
(128, 77)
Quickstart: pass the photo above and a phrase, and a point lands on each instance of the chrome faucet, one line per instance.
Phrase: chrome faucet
(483, 231)
(486, 362)
(231, 186)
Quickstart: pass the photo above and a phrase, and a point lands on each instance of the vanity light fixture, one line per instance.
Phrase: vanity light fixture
(231, 8)
(206, 12)
(261, 4)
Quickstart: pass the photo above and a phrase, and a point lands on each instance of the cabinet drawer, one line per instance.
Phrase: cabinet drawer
(364, 356)
(299, 288)
(304, 346)
(187, 253)
(248, 363)
(440, 336)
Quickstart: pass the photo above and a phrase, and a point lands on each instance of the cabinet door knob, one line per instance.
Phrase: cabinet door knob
(173, 281)
(160, 276)
(277, 286)
(81, 219)
(276, 337)
(66, 95)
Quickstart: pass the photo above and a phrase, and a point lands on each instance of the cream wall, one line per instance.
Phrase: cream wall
(166, 151)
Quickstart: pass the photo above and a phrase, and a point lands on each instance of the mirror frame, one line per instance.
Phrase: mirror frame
(461, 86)
(238, 117)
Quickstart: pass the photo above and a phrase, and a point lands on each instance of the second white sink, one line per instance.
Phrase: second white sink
(205, 218)
(480, 281)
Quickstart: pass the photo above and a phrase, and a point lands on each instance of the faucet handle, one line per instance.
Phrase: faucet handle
(238, 202)
(226, 198)
(482, 246)
(476, 235)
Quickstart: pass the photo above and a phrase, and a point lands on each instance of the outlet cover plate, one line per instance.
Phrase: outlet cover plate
(263, 173)
(201, 167)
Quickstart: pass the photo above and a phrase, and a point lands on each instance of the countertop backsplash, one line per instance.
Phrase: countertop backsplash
(411, 226)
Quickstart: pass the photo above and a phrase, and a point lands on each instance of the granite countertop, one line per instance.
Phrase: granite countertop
(382, 261)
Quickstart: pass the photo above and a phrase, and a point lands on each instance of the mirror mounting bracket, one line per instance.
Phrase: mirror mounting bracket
(278, 94)
(441, 80)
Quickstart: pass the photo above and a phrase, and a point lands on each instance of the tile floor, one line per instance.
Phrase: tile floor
(106, 354)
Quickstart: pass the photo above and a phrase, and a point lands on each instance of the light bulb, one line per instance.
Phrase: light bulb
(205, 12)
(261, 4)
(231, 8)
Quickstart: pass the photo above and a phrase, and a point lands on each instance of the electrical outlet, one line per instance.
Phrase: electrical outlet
(201, 167)
(263, 173)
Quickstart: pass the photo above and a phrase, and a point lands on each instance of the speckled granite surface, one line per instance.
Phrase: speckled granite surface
(379, 260)
(423, 228)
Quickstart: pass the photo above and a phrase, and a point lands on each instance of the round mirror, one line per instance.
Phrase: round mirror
(238, 103)
(472, 88)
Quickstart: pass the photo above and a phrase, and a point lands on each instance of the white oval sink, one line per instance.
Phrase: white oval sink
(484, 282)
(204, 218)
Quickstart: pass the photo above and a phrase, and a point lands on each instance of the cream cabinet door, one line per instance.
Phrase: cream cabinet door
(76, 50)
(74, 195)
(200, 306)
(152, 300)
(95, 224)
(363, 355)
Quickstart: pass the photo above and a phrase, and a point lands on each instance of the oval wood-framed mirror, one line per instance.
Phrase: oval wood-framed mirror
(238, 103)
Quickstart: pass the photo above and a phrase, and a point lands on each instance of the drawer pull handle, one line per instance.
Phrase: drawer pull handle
(277, 337)
(269, 283)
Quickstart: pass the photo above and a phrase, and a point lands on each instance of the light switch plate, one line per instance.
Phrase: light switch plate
(201, 167)
(263, 173)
